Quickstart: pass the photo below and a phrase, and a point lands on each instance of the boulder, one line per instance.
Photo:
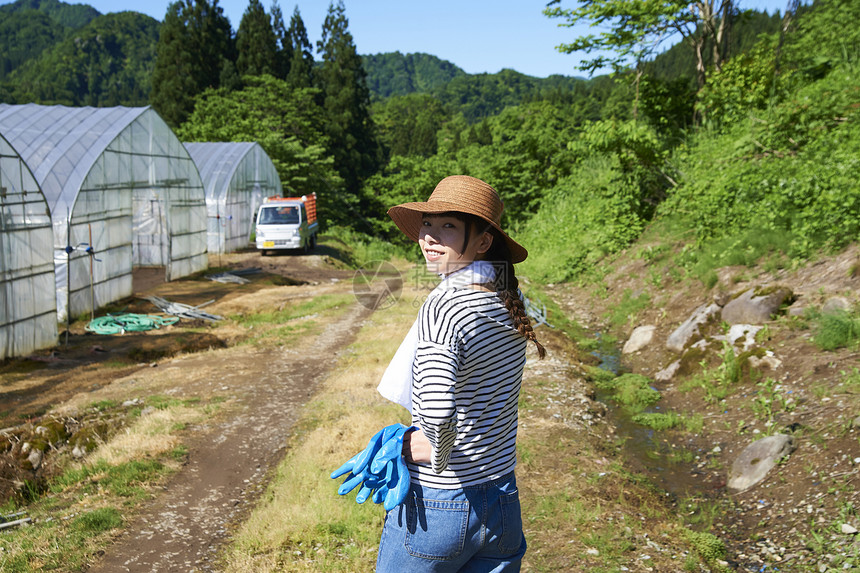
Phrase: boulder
(667, 373)
(757, 460)
(690, 328)
(639, 339)
(755, 306)
(836, 304)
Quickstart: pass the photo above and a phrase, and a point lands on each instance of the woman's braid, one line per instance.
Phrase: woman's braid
(507, 286)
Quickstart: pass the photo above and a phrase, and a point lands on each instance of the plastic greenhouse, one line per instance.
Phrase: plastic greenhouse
(122, 192)
(28, 317)
(236, 177)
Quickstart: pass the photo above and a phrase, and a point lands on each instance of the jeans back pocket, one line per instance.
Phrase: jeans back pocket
(511, 536)
(436, 529)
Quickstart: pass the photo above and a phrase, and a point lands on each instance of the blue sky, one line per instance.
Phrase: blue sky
(476, 35)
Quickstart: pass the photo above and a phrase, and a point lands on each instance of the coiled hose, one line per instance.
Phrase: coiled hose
(128, 322)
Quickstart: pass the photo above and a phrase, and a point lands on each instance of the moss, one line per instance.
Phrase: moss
(691, 360)
(707, 545)
(54, 431)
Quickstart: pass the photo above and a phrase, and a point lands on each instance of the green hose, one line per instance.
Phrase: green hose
(129, 322)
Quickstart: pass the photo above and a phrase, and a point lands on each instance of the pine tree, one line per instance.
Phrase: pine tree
(194, 43)
(284, 48)
(346, 101)
(173, 85)
(302, 58)
(256, 42)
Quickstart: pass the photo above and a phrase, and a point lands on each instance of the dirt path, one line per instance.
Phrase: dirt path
(229, 457)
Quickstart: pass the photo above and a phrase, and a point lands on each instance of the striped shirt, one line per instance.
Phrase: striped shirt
(467, 373)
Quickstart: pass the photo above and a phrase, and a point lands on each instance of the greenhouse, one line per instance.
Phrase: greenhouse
(28, 311)
(122, 192)
(236, 177)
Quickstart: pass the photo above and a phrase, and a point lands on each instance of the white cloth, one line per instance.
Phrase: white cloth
(396, 383)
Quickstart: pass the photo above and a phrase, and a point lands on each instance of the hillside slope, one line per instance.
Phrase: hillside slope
(802, 515)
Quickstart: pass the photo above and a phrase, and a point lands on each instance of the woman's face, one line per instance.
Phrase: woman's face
(442, 243)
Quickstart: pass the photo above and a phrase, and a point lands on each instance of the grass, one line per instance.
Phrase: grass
(668, 421)
(835, 330)
(87, 500)
(579, 504)
(627, 308)
(296, 320)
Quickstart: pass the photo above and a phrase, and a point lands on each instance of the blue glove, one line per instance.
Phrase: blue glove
(379, 468)
(390, 450)
(398, 486)
(356, 463)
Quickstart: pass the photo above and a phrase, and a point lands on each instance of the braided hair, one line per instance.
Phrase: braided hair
(506, 284)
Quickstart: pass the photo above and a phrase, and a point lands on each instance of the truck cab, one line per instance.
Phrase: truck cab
(287, 223)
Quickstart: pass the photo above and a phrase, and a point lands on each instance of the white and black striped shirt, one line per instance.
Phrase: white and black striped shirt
(467, 373)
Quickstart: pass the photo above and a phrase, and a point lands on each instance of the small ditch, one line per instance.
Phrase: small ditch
(672, 458)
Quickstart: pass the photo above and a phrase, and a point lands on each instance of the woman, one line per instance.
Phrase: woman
(462, 512)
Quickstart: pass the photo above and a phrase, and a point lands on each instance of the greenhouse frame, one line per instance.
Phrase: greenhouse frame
(236, 177)
(122, 192)
(28, 311)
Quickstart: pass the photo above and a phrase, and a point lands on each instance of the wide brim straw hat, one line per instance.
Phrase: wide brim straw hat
(457, 193)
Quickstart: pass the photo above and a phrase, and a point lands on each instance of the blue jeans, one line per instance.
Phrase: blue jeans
(476, 529)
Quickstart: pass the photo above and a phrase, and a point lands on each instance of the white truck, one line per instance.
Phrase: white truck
(287, 223)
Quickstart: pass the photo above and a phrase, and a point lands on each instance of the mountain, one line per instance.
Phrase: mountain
(106, 62)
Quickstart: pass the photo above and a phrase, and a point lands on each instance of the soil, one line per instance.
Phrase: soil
(773, 524)
(259, 390)
(791, 521)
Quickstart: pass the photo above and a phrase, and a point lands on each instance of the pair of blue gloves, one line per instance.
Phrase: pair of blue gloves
(379, 468)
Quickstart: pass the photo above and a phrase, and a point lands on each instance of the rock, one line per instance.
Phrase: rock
(35, 459)
(836, 304)
(757, 459)
(767, 361)
(667, 373)
(752, 308)
(690, 328)
(848, 529)
(746, 332)
(639, 339)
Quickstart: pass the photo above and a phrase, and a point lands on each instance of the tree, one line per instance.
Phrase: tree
(194, 44)
(284, 48)
(286, 122)
(256, 42)
(302, 59)
(636, 28)
(346, 101)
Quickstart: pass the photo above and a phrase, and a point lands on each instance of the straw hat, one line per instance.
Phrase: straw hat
(457, 193)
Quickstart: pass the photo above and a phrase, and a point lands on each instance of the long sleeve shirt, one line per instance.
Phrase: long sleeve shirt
(467, 374)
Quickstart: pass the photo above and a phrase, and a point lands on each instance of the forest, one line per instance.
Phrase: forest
(748, 150)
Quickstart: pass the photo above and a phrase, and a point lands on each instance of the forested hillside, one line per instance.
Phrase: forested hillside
(584, 164)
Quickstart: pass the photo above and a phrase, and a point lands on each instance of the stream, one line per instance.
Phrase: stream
(668, 457)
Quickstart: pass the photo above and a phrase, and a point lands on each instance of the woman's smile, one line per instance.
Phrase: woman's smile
(443, 241)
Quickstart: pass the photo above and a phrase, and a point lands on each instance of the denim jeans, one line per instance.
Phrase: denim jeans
(476, 529)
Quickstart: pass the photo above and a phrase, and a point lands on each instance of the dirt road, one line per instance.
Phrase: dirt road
(229, 454)
(228, 461)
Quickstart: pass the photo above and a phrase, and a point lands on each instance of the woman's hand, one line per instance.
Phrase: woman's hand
(417, 448)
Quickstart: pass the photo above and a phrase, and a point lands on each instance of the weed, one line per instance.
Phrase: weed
(770, 402)
(667, 421)
(98, 520)
(628, 307)
(836, 330)
(709, 547)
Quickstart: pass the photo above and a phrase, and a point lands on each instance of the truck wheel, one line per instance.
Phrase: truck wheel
(263, 252)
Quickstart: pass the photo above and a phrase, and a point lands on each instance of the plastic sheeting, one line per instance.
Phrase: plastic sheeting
(28, 317)
(116, 179)
(236, 177)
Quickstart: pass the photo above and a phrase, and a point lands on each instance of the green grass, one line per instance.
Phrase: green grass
(834, 330)
(628, 307)
(667, 421)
